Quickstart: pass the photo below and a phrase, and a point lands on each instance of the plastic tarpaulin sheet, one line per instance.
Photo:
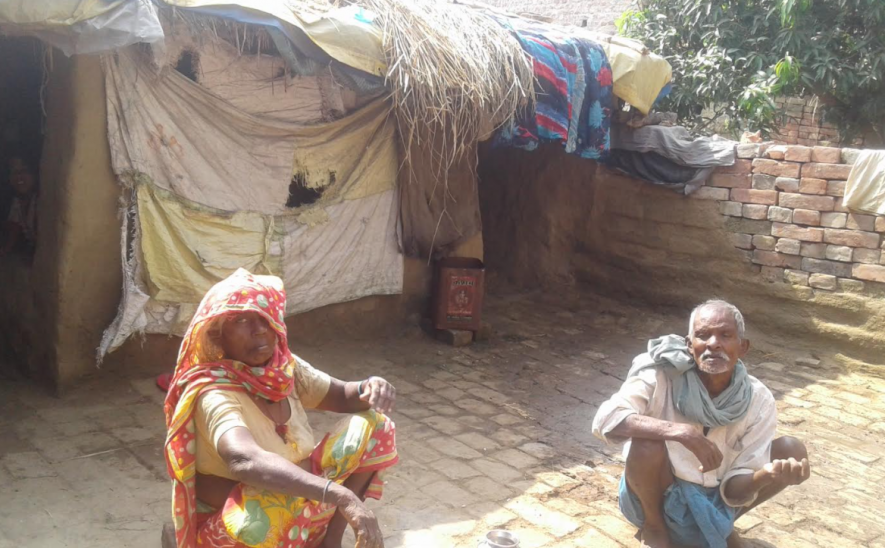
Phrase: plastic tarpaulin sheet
(83, 26)
(188, 248)
(638, 75)
(204, 149)
(865, 189)
(210, 186)
(346, 34)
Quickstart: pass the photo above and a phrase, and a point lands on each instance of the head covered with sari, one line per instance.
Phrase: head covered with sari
(203, 366)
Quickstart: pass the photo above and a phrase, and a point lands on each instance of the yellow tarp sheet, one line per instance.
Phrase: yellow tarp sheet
(638, 75)
(188, 248)
(865, 189)
(345, 34)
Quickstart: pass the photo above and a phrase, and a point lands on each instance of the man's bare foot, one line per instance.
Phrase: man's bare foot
(654, 537)
(734, 541)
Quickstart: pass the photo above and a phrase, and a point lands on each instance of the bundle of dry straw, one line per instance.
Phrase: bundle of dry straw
(451, 69)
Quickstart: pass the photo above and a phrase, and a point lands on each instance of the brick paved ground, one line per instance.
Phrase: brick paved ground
(494, 435)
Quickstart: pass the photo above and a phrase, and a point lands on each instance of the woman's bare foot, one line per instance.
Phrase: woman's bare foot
(654, 537)
(328, 543)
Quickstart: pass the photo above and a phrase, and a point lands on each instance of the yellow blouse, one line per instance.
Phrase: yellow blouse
(220, 410)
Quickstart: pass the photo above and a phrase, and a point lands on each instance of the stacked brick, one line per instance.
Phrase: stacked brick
(804, 124)
(784, 209)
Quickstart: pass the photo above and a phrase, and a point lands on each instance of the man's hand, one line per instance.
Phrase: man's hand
(788, 472)
(704, 449)
(380, 394)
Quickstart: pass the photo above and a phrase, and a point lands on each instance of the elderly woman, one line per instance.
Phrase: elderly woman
(245, 468)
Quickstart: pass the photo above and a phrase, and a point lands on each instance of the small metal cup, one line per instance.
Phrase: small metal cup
(502, 539)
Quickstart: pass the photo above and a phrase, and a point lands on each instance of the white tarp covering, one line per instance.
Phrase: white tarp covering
(83, 26)
(210, 183)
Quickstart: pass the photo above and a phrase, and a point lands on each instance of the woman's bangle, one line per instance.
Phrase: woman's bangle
(326, 490)
(359, 390)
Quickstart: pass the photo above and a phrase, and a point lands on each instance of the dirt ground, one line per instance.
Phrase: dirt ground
(495, 435)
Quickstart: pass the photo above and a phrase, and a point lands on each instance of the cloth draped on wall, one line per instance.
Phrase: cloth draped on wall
(573, 93)
(865, 188)
(669, 156)
(211, 189)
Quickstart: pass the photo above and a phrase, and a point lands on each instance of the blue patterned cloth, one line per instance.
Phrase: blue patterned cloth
(573, 93)
(695, 515)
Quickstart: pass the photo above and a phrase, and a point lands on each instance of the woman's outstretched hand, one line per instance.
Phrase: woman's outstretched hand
(380, 394)
(364, 523)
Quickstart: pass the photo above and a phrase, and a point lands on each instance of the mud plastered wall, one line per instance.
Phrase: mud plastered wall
(550, 218)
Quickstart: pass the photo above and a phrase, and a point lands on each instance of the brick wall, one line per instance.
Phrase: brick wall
(804, 124)
(786, 216)
(552, 218)
(599, 14)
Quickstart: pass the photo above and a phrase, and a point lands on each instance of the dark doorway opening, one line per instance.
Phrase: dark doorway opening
(22, 62)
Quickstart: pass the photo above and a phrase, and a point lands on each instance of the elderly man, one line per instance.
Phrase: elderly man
(702, 449)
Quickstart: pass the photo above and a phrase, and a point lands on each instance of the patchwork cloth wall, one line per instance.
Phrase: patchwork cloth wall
(210, 189)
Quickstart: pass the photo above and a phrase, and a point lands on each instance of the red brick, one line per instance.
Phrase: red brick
(857, 221)
(740, 167)
(794, 232)
(839, 253)
(765, 243)
(752, 196)
(838, 172)
(805, 201)
(869, 272)
(762, 181)
(808, 217)
(822, 281)
(851, 238)
(776, 152)
(815, 251)
(796, 277)
(786, 184)
(833, 220)
(788, 246)
(866, 256)
(832, 268)
(755, 211)
(780, 214)
(798, 154)
(826, 155)
(731, 180)
(836, 188)
(808, 185)
(779, 169)
(771, 258)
